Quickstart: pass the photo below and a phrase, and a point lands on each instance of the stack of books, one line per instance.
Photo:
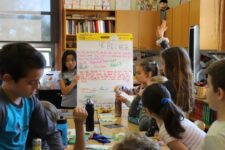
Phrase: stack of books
(89, 4)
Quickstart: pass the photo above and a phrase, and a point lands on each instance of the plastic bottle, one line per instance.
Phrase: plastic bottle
(118, 109)
(90, 118)
(62, 127)
(36, 144)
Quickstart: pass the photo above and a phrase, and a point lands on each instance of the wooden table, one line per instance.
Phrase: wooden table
(123, 120)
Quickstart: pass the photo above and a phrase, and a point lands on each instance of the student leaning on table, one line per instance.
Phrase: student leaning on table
(176, 131)
(48, 144)
(215, 138)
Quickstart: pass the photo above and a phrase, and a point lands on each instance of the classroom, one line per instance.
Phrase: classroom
(112, 74)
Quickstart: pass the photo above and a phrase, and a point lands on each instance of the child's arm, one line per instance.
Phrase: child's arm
(119, 88)
(80, 116)
(124, 98)
(43, 126)
(66, 89)
(162, 41)
(177, 145)
(135, 107)
(2, 114)
(145, 122)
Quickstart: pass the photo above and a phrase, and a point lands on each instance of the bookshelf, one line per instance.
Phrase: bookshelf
(203, 112)
(142, 24)
(85, 21)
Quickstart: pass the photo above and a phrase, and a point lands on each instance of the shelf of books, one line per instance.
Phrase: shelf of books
(203, 112)
(88, 19)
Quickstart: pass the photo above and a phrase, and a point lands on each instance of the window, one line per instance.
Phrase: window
(33, 20)
(46, 52)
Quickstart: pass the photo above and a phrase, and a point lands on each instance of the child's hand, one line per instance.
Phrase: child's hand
(117, 90)
(141, 90)
(76, 78)
(79, 115)
(121, 99)
(161, 29)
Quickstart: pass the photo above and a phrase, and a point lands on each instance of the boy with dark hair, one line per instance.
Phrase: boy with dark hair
(21, 67)
(215, 138)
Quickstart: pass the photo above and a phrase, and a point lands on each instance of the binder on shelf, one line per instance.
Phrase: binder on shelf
(76, 4)
(83, 4)
(98, 4)
(68, 4)
(91, 4)
(106, 4)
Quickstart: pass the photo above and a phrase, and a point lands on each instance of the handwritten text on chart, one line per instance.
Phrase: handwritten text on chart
(107, 75)
(112, 45)
(95, 89)
(104, 54)
(103, 61)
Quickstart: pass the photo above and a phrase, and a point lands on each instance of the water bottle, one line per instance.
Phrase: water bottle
(118, 109)
(62, 127)
(36, 144)
(90, 118)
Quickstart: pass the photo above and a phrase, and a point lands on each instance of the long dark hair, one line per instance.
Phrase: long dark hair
(149, 66)
(65, 54)
(178, 71)
(156, 98)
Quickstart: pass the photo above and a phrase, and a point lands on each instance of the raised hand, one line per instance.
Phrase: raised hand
(161, 29)
(79, 115)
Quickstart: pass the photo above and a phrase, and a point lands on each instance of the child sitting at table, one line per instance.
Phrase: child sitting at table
(136, 141)
(176, 131)
(146, 71)
(21, 67)
(215, 138)
(49, 143)
(79, 116)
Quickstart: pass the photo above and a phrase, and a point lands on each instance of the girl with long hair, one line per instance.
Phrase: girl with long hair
(176, 67)
(145, 72)
(68, 79)
(174, 129)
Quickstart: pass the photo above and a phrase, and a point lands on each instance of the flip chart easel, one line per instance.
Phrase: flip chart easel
(103, 61)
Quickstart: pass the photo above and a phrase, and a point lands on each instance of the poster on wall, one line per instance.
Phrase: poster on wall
(103, 61)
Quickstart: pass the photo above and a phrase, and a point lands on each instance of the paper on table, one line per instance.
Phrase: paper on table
(97, 147)
(72, 136)
(106, 118)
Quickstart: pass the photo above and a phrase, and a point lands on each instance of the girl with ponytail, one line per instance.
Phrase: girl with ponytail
(174, 129)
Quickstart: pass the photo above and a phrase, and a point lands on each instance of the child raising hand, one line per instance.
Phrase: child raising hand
(79, 116)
